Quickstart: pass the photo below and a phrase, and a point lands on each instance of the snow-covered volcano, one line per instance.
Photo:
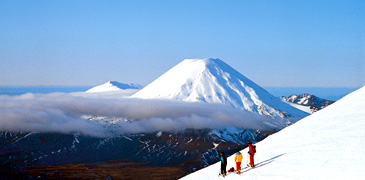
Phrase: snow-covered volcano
(113, 86)
(214, 81)
(326, 145)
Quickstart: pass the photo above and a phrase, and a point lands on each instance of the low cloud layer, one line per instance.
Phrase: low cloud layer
(64, 113)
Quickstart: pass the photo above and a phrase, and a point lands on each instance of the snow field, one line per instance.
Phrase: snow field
(326, 145)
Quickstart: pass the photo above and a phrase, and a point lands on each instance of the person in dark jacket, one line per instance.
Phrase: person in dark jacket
(223, 164)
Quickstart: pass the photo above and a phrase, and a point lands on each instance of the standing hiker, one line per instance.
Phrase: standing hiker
(238, 159)
(251, 152)
(223, 164)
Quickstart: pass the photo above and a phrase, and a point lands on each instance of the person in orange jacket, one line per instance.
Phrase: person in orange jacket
(238, 158)
(251, 152)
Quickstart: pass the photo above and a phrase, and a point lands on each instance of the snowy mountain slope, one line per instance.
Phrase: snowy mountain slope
(326, 145)
(113, 86)
(213, 81)
(313, 102)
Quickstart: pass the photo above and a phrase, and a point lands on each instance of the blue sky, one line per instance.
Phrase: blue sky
(274, 43)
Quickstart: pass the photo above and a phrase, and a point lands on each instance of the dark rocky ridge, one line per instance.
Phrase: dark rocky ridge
(189, 149)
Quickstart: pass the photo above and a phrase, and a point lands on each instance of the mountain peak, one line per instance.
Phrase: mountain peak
(114, 86)
(213, 81)
(124, 86)
(204, 60)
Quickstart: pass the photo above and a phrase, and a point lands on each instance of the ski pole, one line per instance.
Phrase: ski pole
(248, 156)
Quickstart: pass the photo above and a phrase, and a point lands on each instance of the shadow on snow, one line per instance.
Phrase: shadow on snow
(263, 163)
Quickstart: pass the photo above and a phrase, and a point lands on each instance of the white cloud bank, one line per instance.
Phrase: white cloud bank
(60, 112)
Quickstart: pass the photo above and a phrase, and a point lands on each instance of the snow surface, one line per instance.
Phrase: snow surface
(113, 86)
(329, 144)
(306, 109)
(213, 81)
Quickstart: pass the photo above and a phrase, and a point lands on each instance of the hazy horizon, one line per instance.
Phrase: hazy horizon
(330, 93)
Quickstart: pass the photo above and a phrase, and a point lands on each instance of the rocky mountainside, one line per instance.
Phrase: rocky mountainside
(315, 103)
(190, 149)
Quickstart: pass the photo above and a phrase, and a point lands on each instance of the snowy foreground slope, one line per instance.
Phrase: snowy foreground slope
(329, 144)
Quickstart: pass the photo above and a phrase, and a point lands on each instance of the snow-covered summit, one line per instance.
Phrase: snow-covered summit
(326, 145)
(113, 86)
(214, 81)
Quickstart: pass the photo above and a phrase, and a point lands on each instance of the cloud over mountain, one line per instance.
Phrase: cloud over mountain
(59, 112)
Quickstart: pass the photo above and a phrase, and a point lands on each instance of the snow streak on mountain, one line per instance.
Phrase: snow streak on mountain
(113, 86)
(326, 145)
(213, 81)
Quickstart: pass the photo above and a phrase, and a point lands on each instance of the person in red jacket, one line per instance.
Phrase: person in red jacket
(251, 152)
